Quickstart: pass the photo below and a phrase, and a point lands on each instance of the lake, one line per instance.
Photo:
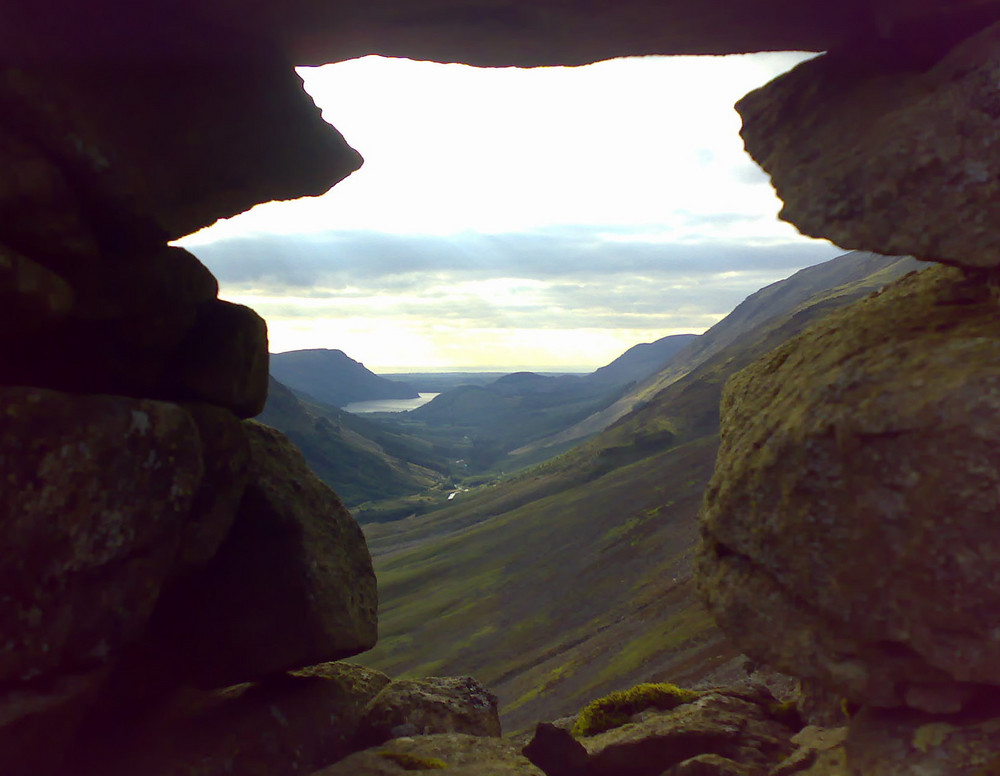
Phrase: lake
(389, 405)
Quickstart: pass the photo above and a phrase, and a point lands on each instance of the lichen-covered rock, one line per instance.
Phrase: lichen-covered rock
(711, 765)
(223, 360)
(734, 726)
(291, 586)
(287, 724)
(454, 754)
(817, 749)
(438, 704)
(892, 147)
(850, 527)
(96, 489)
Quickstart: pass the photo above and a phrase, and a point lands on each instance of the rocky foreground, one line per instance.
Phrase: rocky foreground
(175, 583)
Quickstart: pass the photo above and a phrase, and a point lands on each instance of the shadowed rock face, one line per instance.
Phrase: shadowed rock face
(855, 143)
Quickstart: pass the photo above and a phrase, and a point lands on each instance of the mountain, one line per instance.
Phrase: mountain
(639, 362)
(361, 461)
(515, 409)
(573, 578)
(332, 377)
(870, 269)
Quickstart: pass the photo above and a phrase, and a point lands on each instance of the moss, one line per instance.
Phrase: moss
(614, 710)
(412, 762)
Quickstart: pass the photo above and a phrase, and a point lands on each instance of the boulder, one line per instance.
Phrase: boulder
(291, 586)
(891, 147)
(887, 742)
(439, 704)
(733, 726)
(223, 360)
(31, 296)
(710, 765)
(96, 491)
(287, 724)
(39, 211)
(226, 453)
(206, 123)
(457, 754)
(850, 526)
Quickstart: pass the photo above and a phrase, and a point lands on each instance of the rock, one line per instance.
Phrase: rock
(31, 297)
(224, 359)
(733, 727)
(853, 506)
(209, 124)
(439, 704)
(710, 765)
(291, 586)
(556, 751)
(226, 452)
(96, 490)
(815, 745)
(143, 286)
(894, 147)
(887, 742)
(285, 725)
(39, 212)
(458, 754)
(39, 720)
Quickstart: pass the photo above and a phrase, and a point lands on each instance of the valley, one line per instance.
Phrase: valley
(570, 575)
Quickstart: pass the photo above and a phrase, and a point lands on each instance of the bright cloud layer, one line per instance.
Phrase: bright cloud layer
(538, 217)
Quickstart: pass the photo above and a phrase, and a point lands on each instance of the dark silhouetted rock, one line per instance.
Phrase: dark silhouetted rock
(890, 148)
(226, 453)
(737, 727)
(285, 725)
(556, 751)
(224, 359)
(31, 297)
(439, 704)
(291, 586)
(850, 526)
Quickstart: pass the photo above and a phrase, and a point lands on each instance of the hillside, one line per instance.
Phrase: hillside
(491, 419)
(573, 578)
(358, 459)
(332, 377)
(771, 301)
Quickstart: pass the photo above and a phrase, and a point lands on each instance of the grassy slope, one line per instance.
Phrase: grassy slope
(358, 466)
(574, 578)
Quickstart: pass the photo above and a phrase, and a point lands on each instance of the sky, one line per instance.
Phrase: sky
(546, 218)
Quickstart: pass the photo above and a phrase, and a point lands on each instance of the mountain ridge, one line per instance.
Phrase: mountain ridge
(333, 377)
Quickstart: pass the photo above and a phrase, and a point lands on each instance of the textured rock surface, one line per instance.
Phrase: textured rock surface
(289, 724)
(96, 490)
(439, 704)
(489, 32)
(31, 297)
(891, 742)
(853, 507)
(736, 727)
(291, 586)
(223, 360)
(232, 112)
(460, 754)
(874, 151)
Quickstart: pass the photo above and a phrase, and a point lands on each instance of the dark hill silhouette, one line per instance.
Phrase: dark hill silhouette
(332, 377)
